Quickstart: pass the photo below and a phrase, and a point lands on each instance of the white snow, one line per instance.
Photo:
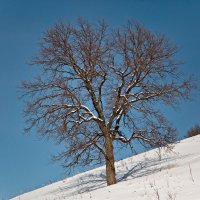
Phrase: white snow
(176, 176)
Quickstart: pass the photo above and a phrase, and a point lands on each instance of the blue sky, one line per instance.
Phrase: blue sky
(24, 159)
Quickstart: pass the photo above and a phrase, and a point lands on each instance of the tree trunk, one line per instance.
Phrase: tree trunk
(110, 161)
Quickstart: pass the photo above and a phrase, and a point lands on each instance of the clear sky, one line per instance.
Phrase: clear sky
(24, 158)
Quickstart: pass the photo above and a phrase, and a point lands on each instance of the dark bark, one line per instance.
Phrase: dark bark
(110, 161)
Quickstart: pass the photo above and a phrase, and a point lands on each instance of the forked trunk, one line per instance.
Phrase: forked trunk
(110, 162)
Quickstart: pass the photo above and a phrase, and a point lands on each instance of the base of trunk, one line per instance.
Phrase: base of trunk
(110, 173)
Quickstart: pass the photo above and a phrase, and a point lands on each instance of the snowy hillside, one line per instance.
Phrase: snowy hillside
(147, 176)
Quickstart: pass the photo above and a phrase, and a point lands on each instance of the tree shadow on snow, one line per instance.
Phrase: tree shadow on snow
(146, 168)
(89, 182)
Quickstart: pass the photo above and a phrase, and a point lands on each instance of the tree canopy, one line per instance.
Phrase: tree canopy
(99, 88)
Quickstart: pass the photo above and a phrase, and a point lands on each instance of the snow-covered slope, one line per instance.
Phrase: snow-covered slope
(147, 176)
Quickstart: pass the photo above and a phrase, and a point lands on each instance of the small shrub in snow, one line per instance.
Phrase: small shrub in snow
(195, 130)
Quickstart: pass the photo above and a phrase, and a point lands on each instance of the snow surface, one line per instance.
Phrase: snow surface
(146, 176)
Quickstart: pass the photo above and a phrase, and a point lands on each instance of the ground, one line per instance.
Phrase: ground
(153, 175)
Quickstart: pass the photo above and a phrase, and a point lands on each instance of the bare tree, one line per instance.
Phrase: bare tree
(195, 130)
(99, 88)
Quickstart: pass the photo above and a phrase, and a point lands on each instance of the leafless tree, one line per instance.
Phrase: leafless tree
(99, 87)
(195, 130)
